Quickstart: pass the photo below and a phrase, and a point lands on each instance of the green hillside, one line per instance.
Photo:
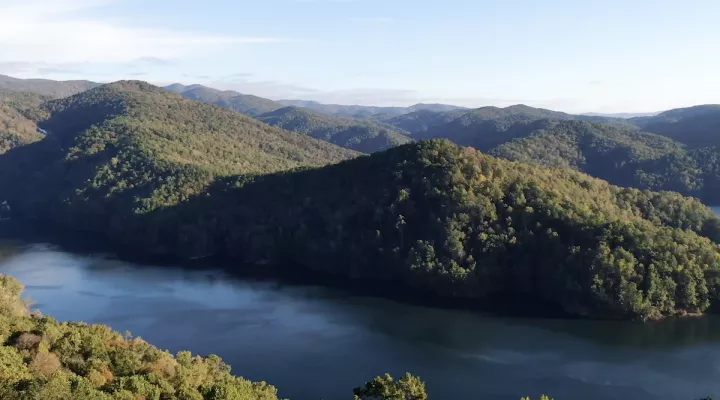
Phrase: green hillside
(15, 129)
(129, 147)
(435, 219)
(697, 126)
(484, 127)
(163, 175)
(620, 156)
(360, 135)
(598, 149)
(41, 358)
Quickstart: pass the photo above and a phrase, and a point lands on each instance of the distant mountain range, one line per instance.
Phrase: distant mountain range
(697, 126)
(622, 115)
(244, 103)
(363, 135)
(484, 127)
(46, 87)
(15, 128)
(367, 111)
(673, 150)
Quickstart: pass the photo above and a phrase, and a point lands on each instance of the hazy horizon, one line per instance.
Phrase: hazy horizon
(578, 57)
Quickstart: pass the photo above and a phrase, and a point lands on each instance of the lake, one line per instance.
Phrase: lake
(316, 343)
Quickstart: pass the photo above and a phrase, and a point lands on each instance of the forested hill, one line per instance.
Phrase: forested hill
(366, 135)
(16, 129)
(598, 149)
(361, 135)
(129, 147)
(243, 103)
(155, 172)
(697, 126)
(43, 359)
(367, 111)
(436, 219)
(619, 155)
(46, 87)
(482, 126)
(681, 157)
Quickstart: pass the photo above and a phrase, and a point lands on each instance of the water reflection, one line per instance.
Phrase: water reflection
(318, 343)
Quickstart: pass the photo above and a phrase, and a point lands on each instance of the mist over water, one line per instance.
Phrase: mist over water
(318, 343)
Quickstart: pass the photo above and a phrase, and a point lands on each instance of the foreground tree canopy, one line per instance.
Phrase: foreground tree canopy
(43, 359)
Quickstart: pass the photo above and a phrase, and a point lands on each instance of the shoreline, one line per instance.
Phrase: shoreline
(509, 306)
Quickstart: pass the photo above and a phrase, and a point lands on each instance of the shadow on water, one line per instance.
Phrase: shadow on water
(261, 325)
(439, 326)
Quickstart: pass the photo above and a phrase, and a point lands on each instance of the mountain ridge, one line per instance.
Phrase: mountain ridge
(366, 136)
(358, 111)
(143, 147)
(47, 87)
(156, 173)
(244, 103)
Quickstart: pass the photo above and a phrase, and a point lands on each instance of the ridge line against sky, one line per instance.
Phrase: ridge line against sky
(574, 56)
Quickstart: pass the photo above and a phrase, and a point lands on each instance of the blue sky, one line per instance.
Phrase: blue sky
(575, 56)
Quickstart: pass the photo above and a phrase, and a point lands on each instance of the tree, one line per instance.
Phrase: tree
(386, 388)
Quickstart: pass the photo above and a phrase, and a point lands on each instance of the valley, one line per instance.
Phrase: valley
(511, 211)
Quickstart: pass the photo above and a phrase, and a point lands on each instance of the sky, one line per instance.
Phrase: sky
(570, 55)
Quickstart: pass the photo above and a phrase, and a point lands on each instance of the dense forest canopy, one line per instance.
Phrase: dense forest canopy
(613, 149)
(161, 174)
(15, 128)
(451, 222)
(485, 124)
(165, 175)
(129, 147)
(624, 157)
(43, 359)
(361, 135)
(697, 126)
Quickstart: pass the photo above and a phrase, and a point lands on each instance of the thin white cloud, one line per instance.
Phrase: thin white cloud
(48, 31)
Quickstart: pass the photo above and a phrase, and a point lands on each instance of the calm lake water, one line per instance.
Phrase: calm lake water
(315, 343)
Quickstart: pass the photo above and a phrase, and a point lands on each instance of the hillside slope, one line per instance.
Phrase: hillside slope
(16, 129)
(42, 358)
(594, 148)
(360, 135)
(484, 127)
(620, 156)
(437, 220)
(160, 174)
(129, 147)
(697, 126)
(680, 156)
